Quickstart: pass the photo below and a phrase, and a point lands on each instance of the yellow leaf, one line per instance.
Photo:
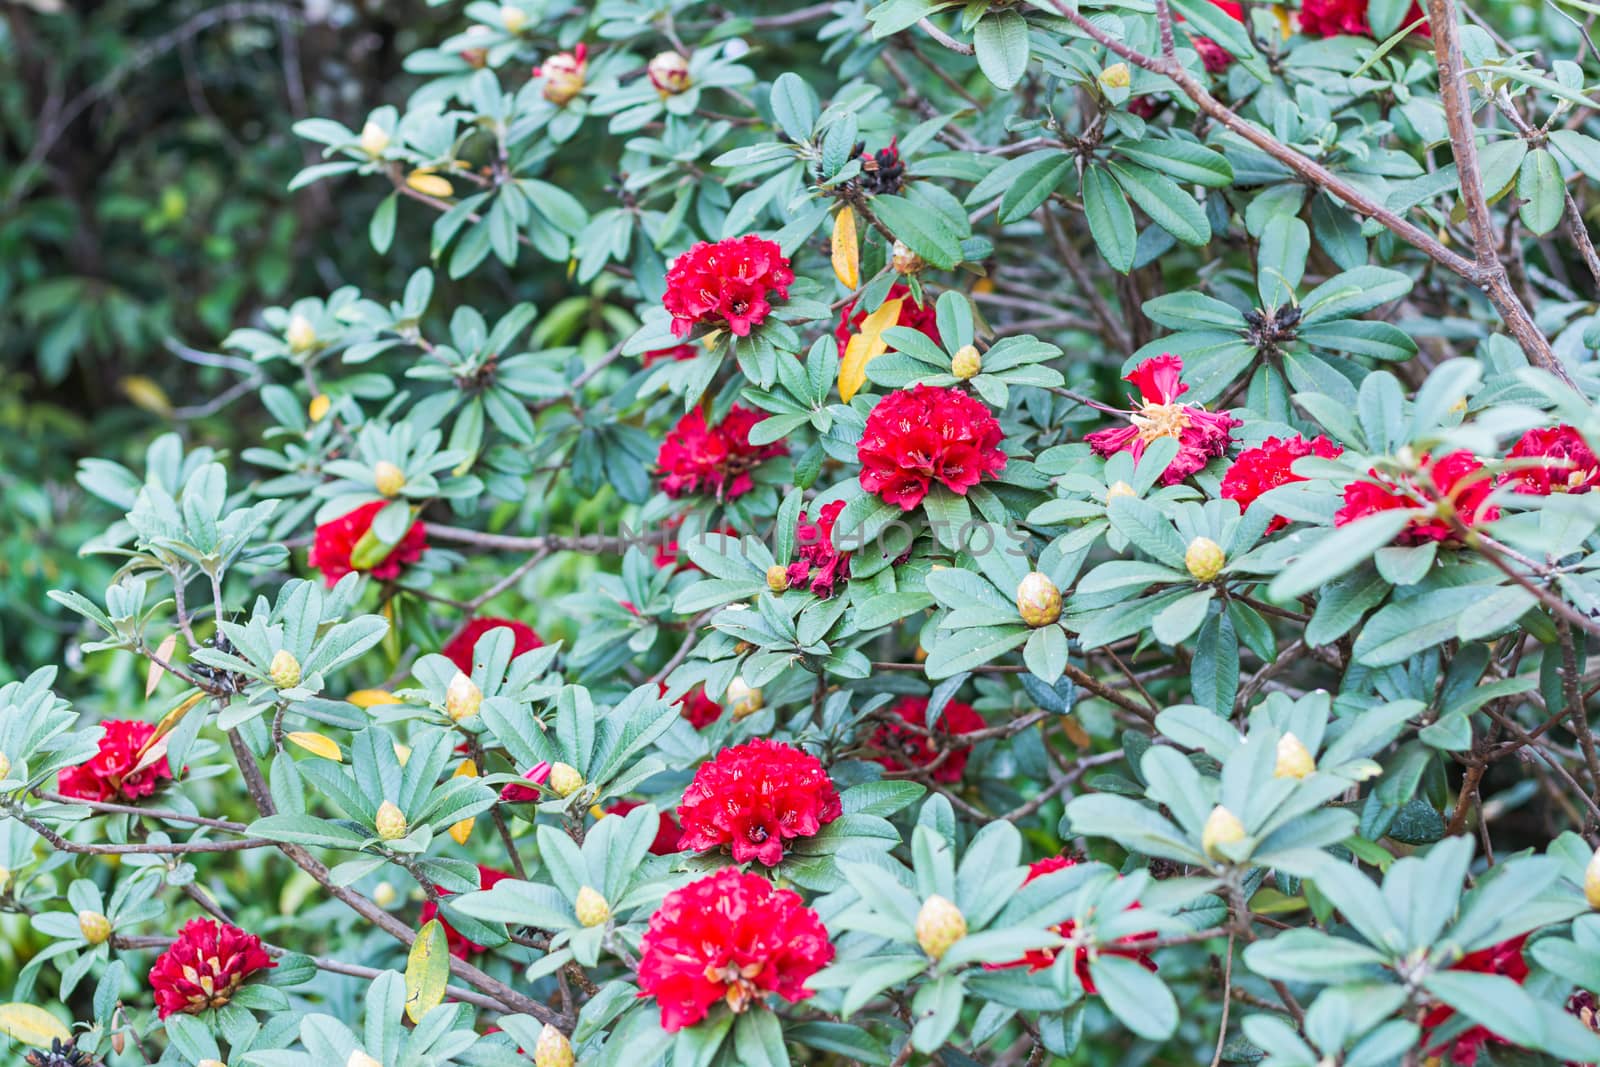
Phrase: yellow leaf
(32, 1025)
(146, 394)
(318, 409)
(463, 829)
(846, 252)
(865, 347)
(371, 698)
(429, 184)
(427, 969)
(152, 677)
(317, 745)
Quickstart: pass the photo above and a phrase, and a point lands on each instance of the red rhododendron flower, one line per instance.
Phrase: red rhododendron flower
(1330, 18)
(730, 937)
(114, 772)
(924, 434)
(817, 562)
(676, 354)
(521, 794)
(1267, 466)
(460, 947)
(1039, 958)
(667, 830)
(1503, 959)
(696, 458)
(1201, 434)
(1456, 478)
(337, 541)
(1569, 464)
(205, 966)
(912, 315)
(458, 649)
(699, 709)
(755, 797)
(728, 283)
(908, 749)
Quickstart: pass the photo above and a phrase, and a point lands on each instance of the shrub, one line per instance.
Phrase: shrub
(1075, 543)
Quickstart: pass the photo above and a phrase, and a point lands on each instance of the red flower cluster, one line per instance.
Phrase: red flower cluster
(460, 947)
(817, 561)
(1267, 466)
(696, 458)
(1456, 478)
(204, 967)
(115, 772)
(924, 434)
(728, 283)
(699, 709)
(667, 830)
(912, 315)
(1040, 958)
(755, 797)
(1569, 463)
(730, 937)
(910, 749)
(342, 538)
(1330, 18)
(458, 649)
(1201, 434)
(1503, 959)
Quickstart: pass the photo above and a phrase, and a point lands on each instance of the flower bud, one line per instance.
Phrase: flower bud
(374, 139)
(565, 779)
(777, 578)
(743, 699)
(1294, 759)
(967, 362)
(1222, 828)
(669, 73)
(1204, 558)
(905, 261)
(563, 75)
(1591, 880)
(384, 895)
(358, 1058)
(1116, 489)
(463, 698)
(285, 669)
(5, 766)
(388, 478)
(96, 928)
(391, 821)
(317, 410)
(591, 907)
(553, 1049)
(301, 335)
(211, 1063)
(1038, 600)
(940, 924)
(513, 18)
(1116, 76)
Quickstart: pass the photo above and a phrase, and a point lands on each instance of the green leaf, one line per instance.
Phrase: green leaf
(427, 970)
(795, 106)
(1110, 219)
(1342, 550)
(1140, 1000)
(925, 232)
(1001, 42)
(1165, 202)
(1543, 193)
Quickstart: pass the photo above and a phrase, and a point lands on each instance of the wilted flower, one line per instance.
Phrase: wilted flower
(731, 937)
(1201, 434)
